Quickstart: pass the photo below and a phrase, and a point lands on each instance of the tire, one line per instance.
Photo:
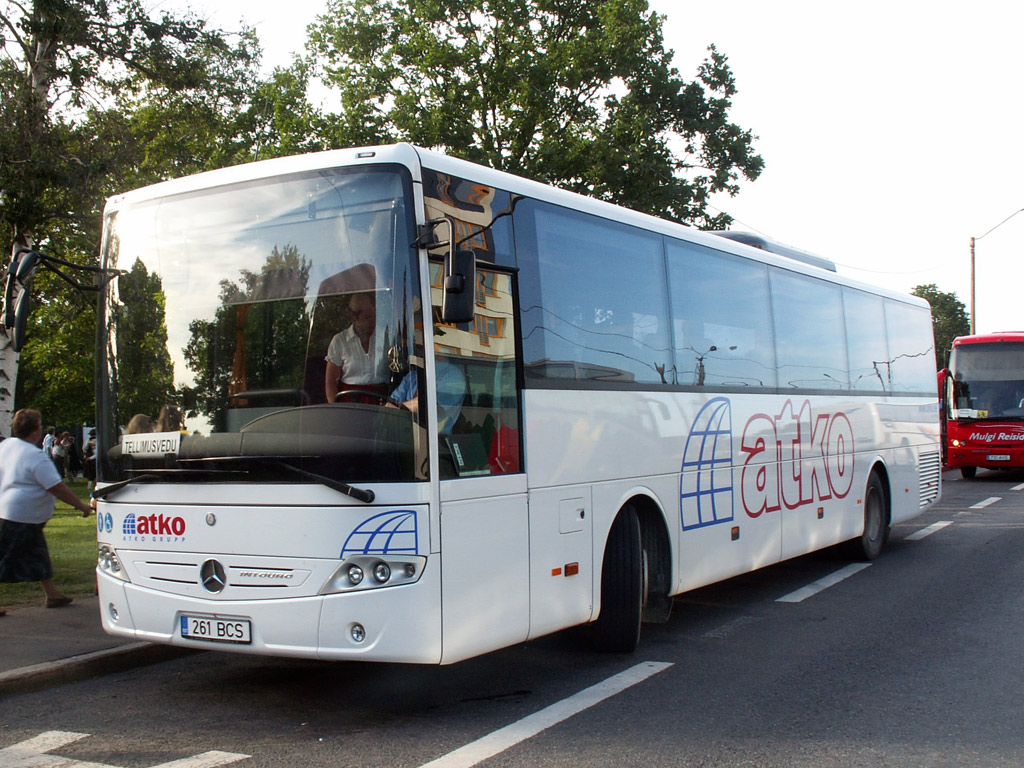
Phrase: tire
(617, 629)
(871, 542)
(968, 473)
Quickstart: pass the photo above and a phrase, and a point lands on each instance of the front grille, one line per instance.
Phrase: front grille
(245, 578)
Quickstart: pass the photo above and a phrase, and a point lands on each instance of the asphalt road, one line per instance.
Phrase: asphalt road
(914, 660)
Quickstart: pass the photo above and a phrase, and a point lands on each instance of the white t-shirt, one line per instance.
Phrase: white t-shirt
(26, 475)
(357, 366)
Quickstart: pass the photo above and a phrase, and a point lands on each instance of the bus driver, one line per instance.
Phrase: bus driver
(353, 362)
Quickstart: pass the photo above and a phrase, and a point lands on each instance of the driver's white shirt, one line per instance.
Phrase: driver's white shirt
(357, 366)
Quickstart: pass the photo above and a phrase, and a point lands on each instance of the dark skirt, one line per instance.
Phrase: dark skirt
(23, 553)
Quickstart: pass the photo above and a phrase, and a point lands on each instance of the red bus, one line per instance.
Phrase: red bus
(981, 398)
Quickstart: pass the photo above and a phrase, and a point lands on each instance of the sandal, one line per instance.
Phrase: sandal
(57, 602)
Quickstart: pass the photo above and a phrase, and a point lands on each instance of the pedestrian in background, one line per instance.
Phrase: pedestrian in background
(48, 440)
(59, 453)
(29, 483)
(89, 462)
(74, 465)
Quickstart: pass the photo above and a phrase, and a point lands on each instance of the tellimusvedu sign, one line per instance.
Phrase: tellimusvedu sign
(151, 444)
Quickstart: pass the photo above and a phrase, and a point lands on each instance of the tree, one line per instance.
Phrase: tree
(582, 95)
(949, 319)
(145, 374)
(73, 74)
(66, 62)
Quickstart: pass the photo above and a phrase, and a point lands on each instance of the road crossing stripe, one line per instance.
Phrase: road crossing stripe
(1018, 487)
(507, 737)
(205, 760)
(34, 752)
(28, 752)
(822, 584)
(987, 502)
(924, 532)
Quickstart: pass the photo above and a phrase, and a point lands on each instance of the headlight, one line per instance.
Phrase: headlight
(382, 572)
(109, 563)
(353, 573)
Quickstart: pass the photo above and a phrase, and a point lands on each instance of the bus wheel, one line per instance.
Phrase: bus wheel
(967, 473)
(617, 629)
(869, 544)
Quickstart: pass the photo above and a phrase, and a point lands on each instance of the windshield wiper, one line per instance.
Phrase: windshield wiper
(359, 494)
(106, 490)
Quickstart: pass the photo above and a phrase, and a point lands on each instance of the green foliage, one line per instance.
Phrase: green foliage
(577, 94)
(280, 121)
(145, 375)
(69, 60)
(949, 319)
(58, 366)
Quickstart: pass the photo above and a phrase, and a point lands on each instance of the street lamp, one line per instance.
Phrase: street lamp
(973, 239)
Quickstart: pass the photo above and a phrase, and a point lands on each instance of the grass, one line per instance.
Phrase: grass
(72, 543)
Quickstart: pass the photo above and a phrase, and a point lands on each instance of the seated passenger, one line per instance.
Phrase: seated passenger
(451, 392)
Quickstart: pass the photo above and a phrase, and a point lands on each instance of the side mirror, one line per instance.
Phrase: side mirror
(23, 266)
(27, 266)
(21, 311)
(458, 301)
(9, 298)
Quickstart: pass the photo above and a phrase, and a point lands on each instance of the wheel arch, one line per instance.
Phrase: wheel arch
(657, 548)
(878, 468)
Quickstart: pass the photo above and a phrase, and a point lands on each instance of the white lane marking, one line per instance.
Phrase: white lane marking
(1018, 487)
(987, 502)
(32, 753)
(925, 532)
(504, 738)
(29, 752)
(205, 760)
(822, 584)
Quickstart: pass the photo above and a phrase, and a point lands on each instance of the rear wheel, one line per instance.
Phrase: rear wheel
(869, 544)
(617, 628)
(967, 473)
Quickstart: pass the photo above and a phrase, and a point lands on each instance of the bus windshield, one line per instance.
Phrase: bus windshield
(257, 330)
(988, 381)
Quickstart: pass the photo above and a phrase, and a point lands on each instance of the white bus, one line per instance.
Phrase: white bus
(571, 411)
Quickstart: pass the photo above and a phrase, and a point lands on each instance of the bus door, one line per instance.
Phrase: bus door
(484, 529)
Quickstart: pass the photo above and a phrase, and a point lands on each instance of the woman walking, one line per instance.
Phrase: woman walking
(28, 484)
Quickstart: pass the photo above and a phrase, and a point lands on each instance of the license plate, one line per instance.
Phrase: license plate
(998, 457)
(218, 630)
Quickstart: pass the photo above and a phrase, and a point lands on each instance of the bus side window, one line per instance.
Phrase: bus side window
(482, 438)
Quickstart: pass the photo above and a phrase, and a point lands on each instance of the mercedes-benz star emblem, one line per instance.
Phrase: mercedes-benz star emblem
(213, 577)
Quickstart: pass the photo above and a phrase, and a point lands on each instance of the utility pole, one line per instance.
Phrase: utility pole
(997, 226)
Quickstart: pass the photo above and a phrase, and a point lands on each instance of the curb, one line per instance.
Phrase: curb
(87, 665)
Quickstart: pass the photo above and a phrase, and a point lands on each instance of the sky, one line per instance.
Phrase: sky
(890, 129)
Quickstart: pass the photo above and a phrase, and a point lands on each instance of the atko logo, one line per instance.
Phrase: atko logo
(811, 461)
(815, 464)
(706, 494)
(387, 533)
(153, 525)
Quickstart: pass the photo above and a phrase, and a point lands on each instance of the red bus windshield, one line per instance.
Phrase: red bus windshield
(988, 381)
